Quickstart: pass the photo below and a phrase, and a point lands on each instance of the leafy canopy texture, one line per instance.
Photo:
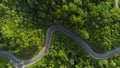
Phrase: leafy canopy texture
(23, 25)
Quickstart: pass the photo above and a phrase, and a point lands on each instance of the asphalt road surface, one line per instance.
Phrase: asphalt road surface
(24, 63)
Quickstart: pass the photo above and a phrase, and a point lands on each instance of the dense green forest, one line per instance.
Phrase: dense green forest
(23, 26)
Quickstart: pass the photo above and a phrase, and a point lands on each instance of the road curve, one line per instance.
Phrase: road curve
(24, 63)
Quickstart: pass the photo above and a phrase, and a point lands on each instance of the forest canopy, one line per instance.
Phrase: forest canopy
(23, 26)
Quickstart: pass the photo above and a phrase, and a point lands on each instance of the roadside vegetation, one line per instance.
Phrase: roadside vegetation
(23, 26)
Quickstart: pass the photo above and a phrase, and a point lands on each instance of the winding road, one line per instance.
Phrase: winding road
(24, 63)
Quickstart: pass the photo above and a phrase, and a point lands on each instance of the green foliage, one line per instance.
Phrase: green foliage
(5, 63)
(23, 25)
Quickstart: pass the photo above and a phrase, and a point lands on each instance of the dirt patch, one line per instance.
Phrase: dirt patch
(28, 53)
